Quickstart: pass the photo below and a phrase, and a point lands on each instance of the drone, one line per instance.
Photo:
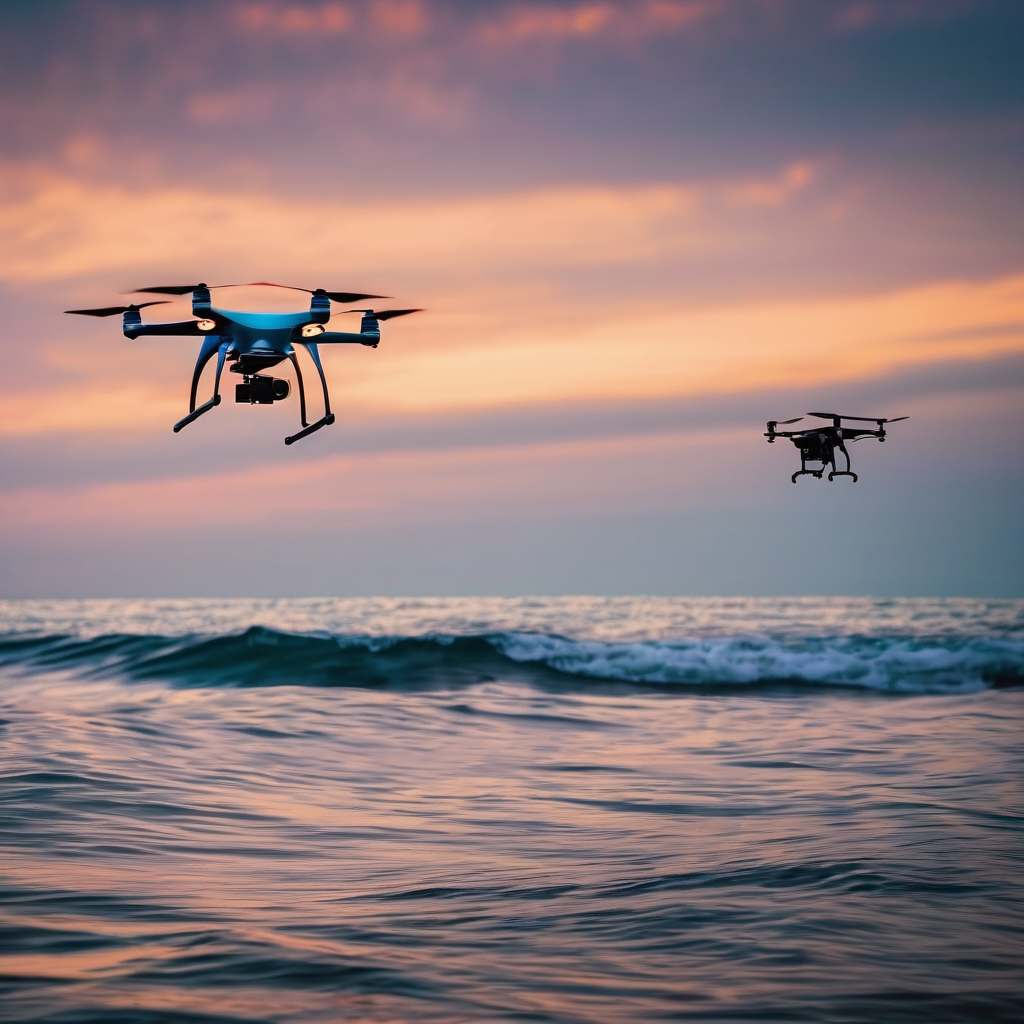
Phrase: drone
(819, 444)
(254, 342)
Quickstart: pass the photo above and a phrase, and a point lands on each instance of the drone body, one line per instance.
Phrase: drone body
(255, 342)
(819, 444)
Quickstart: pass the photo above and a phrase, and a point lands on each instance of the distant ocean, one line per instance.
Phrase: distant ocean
(534, 810)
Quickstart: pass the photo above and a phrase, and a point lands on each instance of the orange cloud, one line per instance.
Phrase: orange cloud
(390, 17)
(539, 22)
(332, 18)
(366, 489)
(501, 331)
(401, 17)
(563, 354)
(634, 353)
(56, 226)
(792, 180)
(530, 22)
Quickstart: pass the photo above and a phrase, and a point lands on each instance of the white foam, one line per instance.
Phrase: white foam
(901, 665)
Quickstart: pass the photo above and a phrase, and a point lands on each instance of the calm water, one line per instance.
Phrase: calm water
(568, 810)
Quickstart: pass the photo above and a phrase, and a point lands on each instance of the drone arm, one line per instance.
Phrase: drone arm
(341, 338)
(369, 334)
(188, 328)
(859, 433)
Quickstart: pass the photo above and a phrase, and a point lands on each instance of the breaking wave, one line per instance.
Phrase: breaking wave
(260, 656)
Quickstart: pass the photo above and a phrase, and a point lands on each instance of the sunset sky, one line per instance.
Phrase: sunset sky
(639, 230)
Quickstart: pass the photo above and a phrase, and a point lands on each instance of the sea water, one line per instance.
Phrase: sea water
(572, 810)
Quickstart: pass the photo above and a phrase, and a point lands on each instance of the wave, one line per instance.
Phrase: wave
(260, 656)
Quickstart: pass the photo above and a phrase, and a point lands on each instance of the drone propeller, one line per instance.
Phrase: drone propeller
(782, 423)
(773, 424)
(385, 314)
(345, 297)
(182, 289)
(865, 419)
(114, 310)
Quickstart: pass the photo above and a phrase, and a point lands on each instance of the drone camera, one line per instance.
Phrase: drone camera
(262, 391)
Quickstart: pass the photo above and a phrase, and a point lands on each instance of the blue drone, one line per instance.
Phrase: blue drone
(254, 342)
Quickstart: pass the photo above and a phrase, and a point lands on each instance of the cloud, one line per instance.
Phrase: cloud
(59, 226)
(387, 17)
(501, 24)
(719, 350)
(523, 307)
(791, 181)
(616, 355)
(330, 18)
(533, 464)
(866, 15)
(517, 24)
(532, 22)
(253, 437)
(370, 488)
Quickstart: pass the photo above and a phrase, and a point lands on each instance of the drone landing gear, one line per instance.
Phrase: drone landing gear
(205, 355)
(328, 417)
(804, 471)
(196, 413)
(324, 421)
(842, 472)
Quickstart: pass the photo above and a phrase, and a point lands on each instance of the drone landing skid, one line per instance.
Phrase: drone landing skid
(324, 421)
(196, 413)
(842, 472)
(816, 473)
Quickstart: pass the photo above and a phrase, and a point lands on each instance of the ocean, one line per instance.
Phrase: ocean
(572, 810)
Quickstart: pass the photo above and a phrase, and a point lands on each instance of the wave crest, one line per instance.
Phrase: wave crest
(892, 664)
(265, 657)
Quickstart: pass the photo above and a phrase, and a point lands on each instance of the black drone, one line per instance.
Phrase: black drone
(819, 444)
(254, 342)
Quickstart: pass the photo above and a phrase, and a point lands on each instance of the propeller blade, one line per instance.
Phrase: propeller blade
(897, 419)
(271, 284)
(345, 297)
(171, 289)
(782, 423)
(114, 310)
(183, 289)
(865, 419)
(387, 314)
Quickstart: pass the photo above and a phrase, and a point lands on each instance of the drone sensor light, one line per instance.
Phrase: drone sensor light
(312, 330)
(206, 325)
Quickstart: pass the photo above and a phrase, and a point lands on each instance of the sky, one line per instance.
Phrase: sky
(637, 231)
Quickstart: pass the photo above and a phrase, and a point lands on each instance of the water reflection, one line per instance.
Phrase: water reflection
(499, 851)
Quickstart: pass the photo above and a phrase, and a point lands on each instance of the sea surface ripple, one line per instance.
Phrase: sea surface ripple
(552, 809)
